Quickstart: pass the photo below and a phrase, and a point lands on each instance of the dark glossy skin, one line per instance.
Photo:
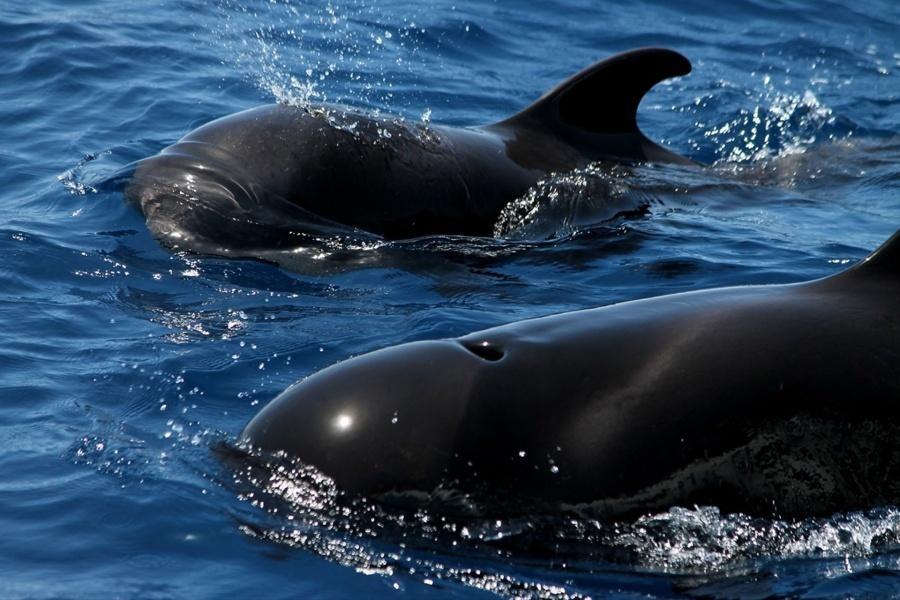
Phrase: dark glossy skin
(394, 178)
(762, 399)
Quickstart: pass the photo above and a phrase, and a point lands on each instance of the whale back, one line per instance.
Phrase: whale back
(881, 268)
(884, 262)
(602, 100)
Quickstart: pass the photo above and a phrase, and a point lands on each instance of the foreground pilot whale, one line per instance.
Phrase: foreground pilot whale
(771, 399)
(318, 166)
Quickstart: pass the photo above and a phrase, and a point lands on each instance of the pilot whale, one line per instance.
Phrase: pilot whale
(276, 168)
(769, 399)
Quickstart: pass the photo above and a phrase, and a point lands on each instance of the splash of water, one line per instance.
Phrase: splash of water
(76, 180)
(301, 54)
(766, 122)
(537, 556)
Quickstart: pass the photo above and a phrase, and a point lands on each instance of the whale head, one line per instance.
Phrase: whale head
(383, 421)
(495, 413)
(207, 194)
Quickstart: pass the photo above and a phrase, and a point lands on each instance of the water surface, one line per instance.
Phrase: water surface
(123, 366)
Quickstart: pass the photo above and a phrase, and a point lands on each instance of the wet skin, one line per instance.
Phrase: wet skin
(323, 166)
(763, 399)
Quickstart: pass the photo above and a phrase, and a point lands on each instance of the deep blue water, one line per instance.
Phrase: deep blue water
(123, 367)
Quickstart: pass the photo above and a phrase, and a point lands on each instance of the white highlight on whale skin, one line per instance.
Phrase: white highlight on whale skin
(343, 422)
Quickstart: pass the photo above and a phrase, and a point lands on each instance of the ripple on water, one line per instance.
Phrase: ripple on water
(122, 364)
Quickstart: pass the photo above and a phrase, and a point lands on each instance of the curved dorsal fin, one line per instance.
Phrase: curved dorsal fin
(884, 261)
(604, 97)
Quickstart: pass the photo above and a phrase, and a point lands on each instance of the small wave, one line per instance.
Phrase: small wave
(829, 168)
(563, 203)
(780, 124)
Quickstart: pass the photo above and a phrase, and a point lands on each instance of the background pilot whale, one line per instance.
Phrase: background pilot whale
(761, 399)
(273, 169)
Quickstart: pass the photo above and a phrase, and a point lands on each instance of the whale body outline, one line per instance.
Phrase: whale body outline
(323, 168)
(769, 399)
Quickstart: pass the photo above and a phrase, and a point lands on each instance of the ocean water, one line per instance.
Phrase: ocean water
(127, 370)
